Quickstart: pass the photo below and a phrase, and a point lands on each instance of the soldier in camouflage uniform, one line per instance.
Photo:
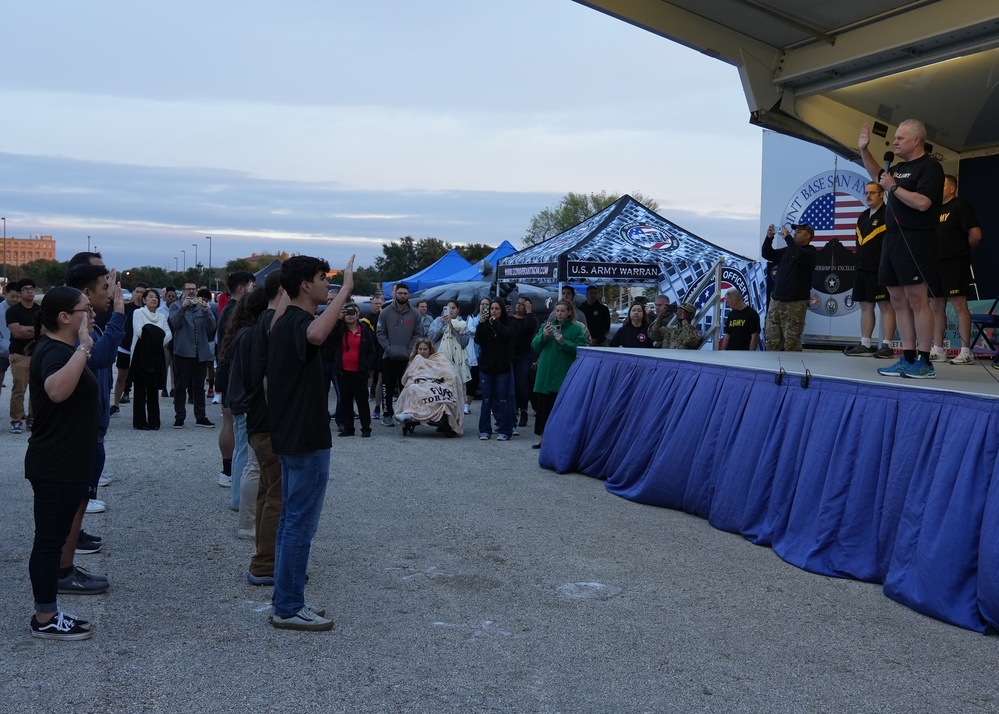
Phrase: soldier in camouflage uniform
(681, 335)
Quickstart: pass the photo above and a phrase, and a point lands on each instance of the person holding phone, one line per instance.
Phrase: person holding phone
(556, 343)
(354, 356)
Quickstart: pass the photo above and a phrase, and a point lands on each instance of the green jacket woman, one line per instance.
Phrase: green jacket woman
(556, 343)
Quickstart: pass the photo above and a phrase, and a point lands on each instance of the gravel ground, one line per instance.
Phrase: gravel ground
(462, 578)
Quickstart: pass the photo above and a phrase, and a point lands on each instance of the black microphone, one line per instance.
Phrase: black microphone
(888, 157)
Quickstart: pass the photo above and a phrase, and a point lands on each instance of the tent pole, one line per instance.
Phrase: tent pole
(716, 328)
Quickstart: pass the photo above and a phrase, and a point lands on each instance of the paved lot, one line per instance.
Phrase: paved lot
(462, 578)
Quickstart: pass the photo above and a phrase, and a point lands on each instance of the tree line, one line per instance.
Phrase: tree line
(399, 258)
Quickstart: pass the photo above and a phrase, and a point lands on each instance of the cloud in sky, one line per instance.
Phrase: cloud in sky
(334, 127)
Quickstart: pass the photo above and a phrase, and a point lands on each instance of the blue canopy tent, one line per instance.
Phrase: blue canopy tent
(484, 269)
(436, 274)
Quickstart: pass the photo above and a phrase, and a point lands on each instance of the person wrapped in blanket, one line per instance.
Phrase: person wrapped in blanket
(432, 392)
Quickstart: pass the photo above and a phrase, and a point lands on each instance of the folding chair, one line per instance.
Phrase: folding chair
(982, 321)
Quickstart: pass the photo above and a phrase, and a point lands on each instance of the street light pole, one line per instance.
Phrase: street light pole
(195, 254)
(209, 239)
(184, 253)
(176, 266)
(4, 250)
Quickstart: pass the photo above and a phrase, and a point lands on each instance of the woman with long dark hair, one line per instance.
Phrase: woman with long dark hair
(60, 455)
(236, 345)
(635, 331)
(494, 337)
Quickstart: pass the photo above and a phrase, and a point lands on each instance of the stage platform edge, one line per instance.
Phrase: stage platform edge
(844, 473)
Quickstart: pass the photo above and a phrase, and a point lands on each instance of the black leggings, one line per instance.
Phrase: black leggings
(353, 391)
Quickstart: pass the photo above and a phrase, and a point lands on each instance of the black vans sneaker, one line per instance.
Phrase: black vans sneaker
(61, 627)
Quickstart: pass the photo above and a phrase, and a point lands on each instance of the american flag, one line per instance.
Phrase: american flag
(834, 217)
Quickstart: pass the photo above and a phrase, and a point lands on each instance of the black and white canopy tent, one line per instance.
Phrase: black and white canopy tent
(627, 244)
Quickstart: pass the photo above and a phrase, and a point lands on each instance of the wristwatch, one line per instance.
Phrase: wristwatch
(893, 189)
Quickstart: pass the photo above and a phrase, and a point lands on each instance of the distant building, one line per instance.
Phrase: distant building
(24, 250)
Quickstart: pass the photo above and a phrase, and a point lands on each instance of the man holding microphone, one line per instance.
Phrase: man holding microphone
(914, 191)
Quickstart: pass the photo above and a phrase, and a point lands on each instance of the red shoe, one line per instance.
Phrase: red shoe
(211, 394)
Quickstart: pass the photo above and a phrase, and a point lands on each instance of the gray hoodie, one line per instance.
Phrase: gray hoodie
(398, 330)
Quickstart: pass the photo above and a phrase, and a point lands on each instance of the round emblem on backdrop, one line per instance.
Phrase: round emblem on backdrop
(848, 302)
(730, 278)
(649, 237)
(813, 302)
(831, 306)
(832, 283)
(829, 202)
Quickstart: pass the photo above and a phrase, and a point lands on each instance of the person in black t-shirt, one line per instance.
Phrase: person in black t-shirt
(268, 508)
(124, 357)
(958, 233)
(597, 317)
(21, 323)
(300, 428)
(914, 189)
(60, 455)
(742, 324)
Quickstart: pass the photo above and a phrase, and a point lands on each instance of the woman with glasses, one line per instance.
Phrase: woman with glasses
(354, 357)
(60, 454)
(147, 368)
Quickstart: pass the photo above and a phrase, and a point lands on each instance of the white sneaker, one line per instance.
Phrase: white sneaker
(224, 481)
(468, 409)
(216, 399)
(965, 357)
(96, 506)
(105, 480)
(938, 354)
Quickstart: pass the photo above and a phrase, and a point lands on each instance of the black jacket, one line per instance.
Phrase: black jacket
(148, 361)
(495, 341)
(795, 265)
(368, 343)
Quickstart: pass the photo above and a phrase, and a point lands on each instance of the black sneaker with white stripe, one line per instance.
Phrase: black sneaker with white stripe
(61, 627)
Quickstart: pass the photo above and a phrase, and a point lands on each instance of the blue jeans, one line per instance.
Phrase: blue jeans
(497, 392)
(303, 489)
(240, 455)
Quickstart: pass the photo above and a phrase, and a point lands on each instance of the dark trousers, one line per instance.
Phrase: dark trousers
(546, 400)
(146, 403)
(189, 376)
(392, 371)
(56, 505)
(522, 379)
(329, 377)
(353, 392)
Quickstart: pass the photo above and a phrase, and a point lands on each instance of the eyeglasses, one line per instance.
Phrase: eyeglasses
(84, 309)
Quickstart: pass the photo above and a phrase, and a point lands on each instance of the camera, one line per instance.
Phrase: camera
(197, 301)
(350, 311)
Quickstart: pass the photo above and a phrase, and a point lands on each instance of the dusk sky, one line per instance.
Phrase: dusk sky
(329, 128)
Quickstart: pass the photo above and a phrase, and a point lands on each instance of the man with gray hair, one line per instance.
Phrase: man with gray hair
(914, 192)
